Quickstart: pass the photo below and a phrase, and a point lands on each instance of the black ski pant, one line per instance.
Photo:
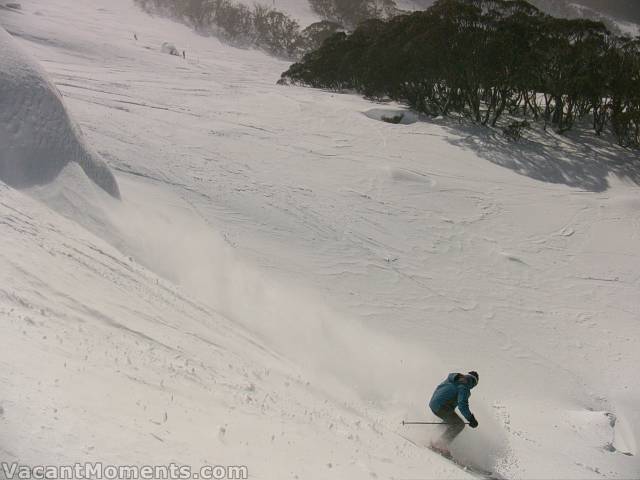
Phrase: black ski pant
(454, 426)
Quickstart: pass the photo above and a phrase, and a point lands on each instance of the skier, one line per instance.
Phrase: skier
(454, 391)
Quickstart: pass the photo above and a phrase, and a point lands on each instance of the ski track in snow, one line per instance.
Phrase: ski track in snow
(371, 258)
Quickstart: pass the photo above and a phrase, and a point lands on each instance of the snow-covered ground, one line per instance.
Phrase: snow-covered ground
(413, 4)
(287, 277)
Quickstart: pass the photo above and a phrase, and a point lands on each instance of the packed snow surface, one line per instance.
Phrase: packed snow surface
(286, 277)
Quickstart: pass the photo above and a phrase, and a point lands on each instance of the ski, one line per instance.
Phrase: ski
(470, 469)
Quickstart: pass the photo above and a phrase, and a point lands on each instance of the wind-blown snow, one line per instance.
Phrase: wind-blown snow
(37, 135)
(103, 360)
(288, 227)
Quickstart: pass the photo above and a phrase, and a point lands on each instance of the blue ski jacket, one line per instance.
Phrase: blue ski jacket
(452, 393)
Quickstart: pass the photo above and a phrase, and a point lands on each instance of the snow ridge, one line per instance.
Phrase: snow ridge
(37, 134)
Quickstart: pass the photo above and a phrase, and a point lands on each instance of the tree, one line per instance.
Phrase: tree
(482, 58)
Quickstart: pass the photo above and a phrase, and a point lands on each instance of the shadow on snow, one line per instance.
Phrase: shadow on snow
(579, 159)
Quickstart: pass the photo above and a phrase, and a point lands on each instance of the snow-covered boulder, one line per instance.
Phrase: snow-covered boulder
(397, 116)
(38, 137)
(169, 48)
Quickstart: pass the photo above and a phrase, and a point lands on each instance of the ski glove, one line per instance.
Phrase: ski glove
(473, 423)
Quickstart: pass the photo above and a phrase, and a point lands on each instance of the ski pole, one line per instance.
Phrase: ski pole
(429, 423)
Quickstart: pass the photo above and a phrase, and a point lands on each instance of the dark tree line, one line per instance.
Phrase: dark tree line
(257, 26)
(267, 28)
(352, 12)
(486, 59)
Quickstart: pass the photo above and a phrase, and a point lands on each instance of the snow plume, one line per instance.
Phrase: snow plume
(38, 138)
(182, 247)
(389, 378)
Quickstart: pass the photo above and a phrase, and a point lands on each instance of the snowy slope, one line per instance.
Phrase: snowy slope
(110, 363)
(374, 257)
(414, 4)
(625, 27)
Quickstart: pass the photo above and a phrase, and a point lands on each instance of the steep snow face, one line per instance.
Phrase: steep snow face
(37, 135)
(104, 361)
